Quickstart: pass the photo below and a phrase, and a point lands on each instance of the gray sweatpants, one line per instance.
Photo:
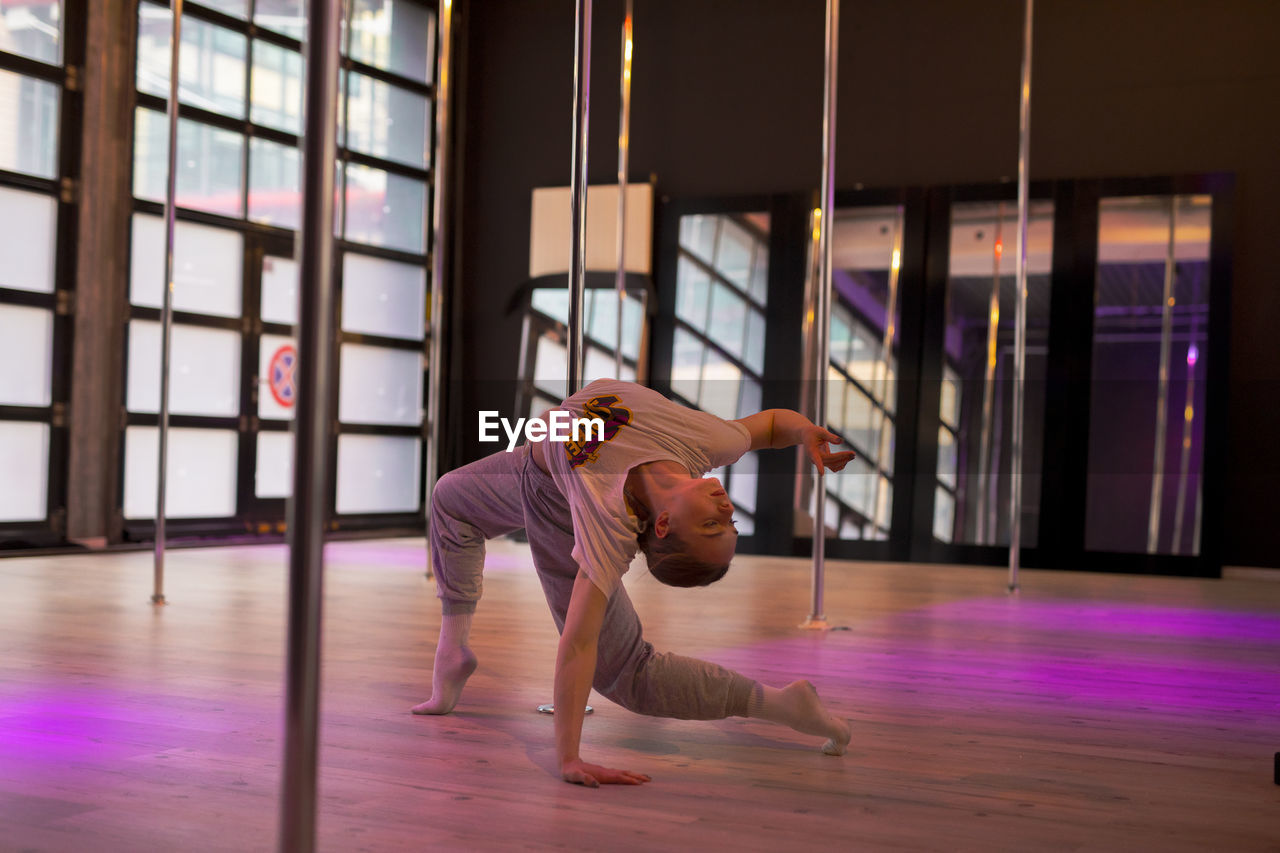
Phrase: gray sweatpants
(507, 491)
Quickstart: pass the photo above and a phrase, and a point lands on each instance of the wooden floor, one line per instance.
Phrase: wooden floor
(1095, 712)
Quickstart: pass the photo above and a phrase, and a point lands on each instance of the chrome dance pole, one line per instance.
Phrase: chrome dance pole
(984, 534)
(311, 469)
(578, 200)
(1188, 417)
(439, 234)
(817, 620)
(166, 310)
(1162, 396)
(624, 146)
(1020, 318)
(578, 190)
(883, 385)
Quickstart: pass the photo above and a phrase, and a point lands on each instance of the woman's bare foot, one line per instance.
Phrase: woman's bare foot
(454, 665)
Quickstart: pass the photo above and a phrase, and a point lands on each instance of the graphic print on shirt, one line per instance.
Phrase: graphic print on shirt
(608, 408)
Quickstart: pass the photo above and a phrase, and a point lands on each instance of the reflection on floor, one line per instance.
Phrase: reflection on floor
(1094, 711)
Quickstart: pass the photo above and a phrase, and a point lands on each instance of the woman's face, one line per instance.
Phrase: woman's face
(701, 514)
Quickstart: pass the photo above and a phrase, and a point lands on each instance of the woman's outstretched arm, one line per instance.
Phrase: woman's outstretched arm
(774, 428)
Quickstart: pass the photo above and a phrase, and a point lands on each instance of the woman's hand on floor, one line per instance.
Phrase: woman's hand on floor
(580, 772)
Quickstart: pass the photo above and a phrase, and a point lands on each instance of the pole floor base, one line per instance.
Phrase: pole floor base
(548, 708)
(815, 623)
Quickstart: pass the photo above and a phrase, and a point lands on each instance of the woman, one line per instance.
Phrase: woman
(586, 507)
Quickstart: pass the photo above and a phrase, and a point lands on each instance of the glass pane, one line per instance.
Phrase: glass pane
(686, 366)
(275, 177)
(201, 475)
(698, 236)
(395, 36)
(276, 87)
(944, 511)
(385, 209)
(207, 267)
(601, 308)
(288, 17)
(884, 501)
(858, 486)
(279, 290)
(632, 326)
(721, 385)
(29, 113)
(204, 370)
(946, 458)
(950, 397)
(211, 62)
(734, 253)
(26, 356)
(383, 297)
(32, 28)
(28, 225)
(728, 319)
(277, 372)
(743, 483)
(865, 363)
(235, 8)
(552, 301)
(551, 367)
(841, 335)
(596, 363)
(885, 457)
(274, 478)
(387, 121)
(760, 273)
(210, 164)
(1148, 391)
(976, 395)
(378, 474)
(751, 394)
(24, 471)
(861, 422)
(380, 386)
(693, 290)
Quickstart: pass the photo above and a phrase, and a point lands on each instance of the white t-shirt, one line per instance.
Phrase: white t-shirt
(641, 426)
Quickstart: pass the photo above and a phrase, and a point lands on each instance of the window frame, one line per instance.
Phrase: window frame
(266, 516)
(60, 302)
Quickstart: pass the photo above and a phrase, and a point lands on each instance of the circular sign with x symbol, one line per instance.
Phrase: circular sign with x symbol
(280, 376)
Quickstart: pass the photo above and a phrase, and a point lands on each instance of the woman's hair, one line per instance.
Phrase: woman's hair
(670, 562)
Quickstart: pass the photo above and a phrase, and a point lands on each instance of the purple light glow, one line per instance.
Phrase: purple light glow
(1020, 656)
(1192, 354)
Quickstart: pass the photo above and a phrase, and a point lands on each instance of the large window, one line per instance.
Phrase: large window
(718, 357)
(38, 166)
(862, 387)
(974, 470)
(1150, 375)
(234, 354)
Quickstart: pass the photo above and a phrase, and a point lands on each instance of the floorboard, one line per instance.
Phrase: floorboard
(1089, 712)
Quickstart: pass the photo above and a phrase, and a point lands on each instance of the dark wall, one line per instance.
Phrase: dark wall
(727, 100)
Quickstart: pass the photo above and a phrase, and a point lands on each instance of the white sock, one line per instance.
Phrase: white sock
(798, 707)
(453, 665)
